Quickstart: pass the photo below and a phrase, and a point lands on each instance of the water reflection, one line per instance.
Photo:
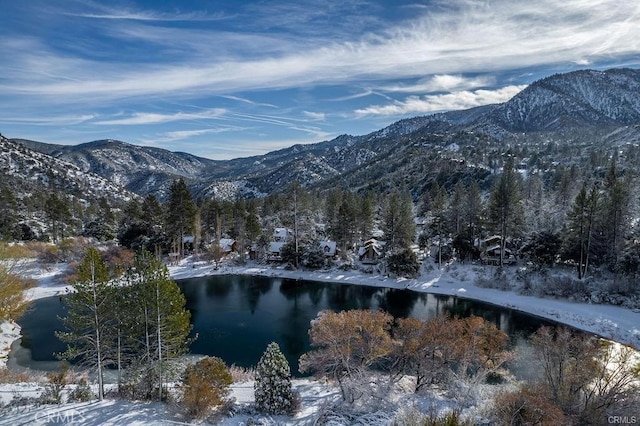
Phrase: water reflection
(236, 317)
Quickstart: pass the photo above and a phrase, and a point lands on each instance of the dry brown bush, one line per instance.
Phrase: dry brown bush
(530, 405)
(205, 385)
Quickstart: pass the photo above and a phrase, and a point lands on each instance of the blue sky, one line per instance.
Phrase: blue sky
(233, 78)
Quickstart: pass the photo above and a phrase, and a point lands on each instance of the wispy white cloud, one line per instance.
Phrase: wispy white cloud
(443, 102)
(102, 11)
(318, 116)
(140, 118)
(466, 36)
(181, 135)
(62, 120)
(248, 101)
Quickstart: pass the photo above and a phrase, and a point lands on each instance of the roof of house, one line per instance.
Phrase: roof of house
(226, 244)
(328, 247)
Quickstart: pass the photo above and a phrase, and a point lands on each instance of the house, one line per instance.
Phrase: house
(487, 242)
(371, 252)
(227, 245)
(491, 255)
(275, 251)
(188, 243)
(329, 248)
(280, 237)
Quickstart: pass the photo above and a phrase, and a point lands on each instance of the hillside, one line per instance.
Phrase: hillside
(25, 170)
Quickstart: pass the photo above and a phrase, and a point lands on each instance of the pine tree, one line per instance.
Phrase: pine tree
(181, 212)
(505, 209)
(58, 213)
(581, 221)
(163, 321)
(398, 224)
(473, 210)
(272, 386)
(89, 317)
(615, 212)
(346, 227)
(439, 222)
(365, 216)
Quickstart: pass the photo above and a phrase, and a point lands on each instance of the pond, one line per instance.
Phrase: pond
(236, 317)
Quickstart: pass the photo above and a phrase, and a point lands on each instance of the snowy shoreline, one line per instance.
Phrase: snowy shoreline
(615, 323)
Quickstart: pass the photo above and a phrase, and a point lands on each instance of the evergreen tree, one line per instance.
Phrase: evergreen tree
(181, 212)
(89, 317)
(252, 224)
(163, 321)
(505, 208)
(272, 386)
(439, 218)
(365, 216)
(8, 215)
(615, 214)
(473, 211)
(456, 207)
(581, 221)
(398, 224)
(346, 227)
(58, 213)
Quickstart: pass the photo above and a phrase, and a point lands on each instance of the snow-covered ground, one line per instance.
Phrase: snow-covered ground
(615, 323)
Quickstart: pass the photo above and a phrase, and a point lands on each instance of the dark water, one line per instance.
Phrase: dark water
(236, 317)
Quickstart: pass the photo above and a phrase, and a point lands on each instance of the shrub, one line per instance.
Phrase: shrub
(205, 385)
(528, 406)
(273, 382)
(82, 392)
(242, 374)
(58, 381)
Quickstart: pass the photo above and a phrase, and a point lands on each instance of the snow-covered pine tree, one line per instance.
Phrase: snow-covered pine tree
(273, 382)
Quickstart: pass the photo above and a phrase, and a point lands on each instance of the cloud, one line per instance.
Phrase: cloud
(443, 102)
(109, 13)
(318, 116)
(442, 83)
(248, 101)
(187, 134)
(62, 120)
(141, 118)
(461, 36)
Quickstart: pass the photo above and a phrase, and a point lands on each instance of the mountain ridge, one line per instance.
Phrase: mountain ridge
(585, 106)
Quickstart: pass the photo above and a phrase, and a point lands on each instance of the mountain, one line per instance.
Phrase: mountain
(567, 114)
(137, 168)
(581, 99)
(25, 170)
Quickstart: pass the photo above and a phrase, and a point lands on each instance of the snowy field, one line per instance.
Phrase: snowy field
(615, 323)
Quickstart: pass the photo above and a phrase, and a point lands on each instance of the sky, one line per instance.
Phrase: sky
(236, 78)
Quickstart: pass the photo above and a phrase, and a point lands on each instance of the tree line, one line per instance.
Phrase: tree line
(585, 221)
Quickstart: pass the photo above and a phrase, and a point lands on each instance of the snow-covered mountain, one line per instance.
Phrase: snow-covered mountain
(577, 109)
(140, 169)
(25, 170)
(591, 99)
